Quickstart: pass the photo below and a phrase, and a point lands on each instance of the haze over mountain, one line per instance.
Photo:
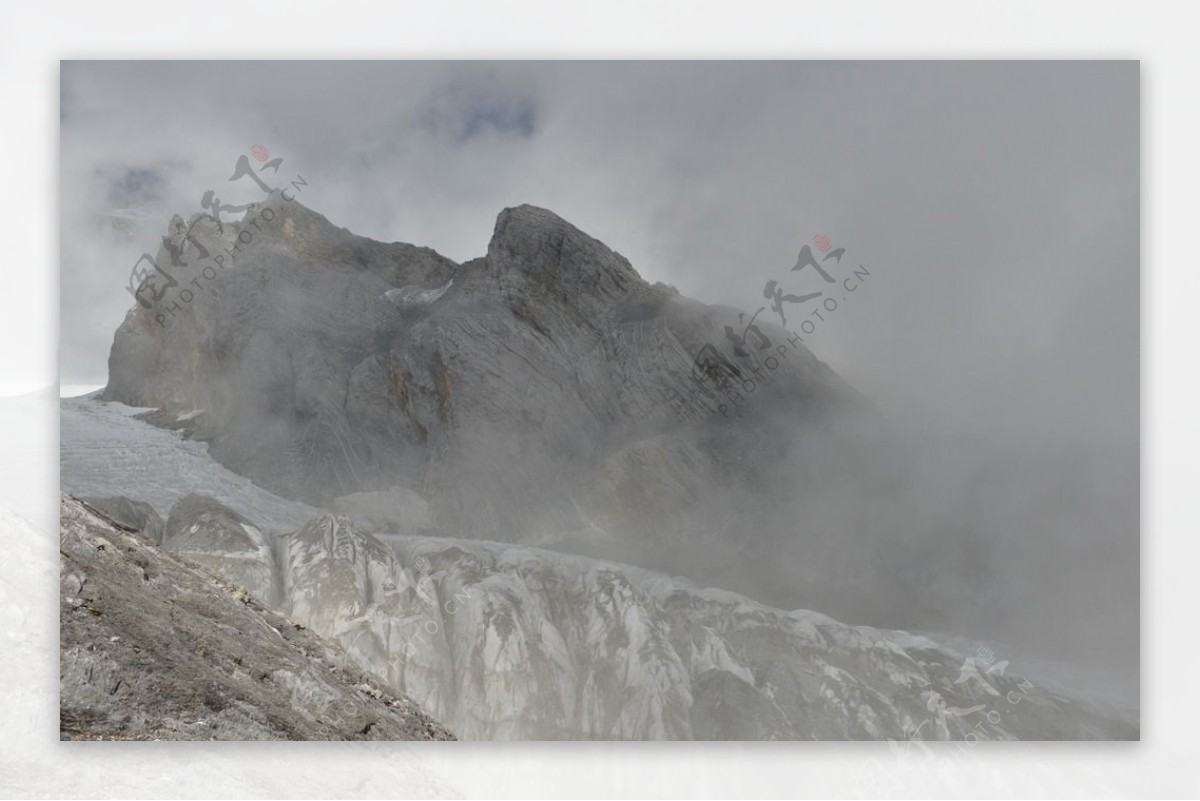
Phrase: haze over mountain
(997, 336)
(541, 394)
(545, 395)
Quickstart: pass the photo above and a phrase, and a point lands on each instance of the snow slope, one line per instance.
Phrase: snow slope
(105, 450)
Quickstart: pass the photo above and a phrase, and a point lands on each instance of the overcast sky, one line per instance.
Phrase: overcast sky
(995, 204)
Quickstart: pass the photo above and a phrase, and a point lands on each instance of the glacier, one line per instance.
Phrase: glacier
(503, 641)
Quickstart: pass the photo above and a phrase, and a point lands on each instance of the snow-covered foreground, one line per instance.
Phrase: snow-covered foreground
(505, 642)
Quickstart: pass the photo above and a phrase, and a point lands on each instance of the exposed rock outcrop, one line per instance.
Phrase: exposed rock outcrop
(154, 648)
(221, 540)
(137, 515)
(517, 392)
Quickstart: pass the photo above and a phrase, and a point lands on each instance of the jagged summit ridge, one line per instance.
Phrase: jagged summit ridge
(550, 353)
(539, 244)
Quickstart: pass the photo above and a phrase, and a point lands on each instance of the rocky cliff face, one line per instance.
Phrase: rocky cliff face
(538, 392)
(155, 648)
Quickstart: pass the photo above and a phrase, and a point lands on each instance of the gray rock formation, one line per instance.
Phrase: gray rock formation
(137, 515)
(217, 538)
(155, 648)
(520, 393)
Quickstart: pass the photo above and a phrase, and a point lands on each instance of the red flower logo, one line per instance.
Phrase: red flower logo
(822, 242)
(259, 152)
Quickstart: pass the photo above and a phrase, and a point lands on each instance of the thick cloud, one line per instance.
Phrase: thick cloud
(996, 204)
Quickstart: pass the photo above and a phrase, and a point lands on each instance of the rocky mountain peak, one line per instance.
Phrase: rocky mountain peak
(321, 364)
(544, 248)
